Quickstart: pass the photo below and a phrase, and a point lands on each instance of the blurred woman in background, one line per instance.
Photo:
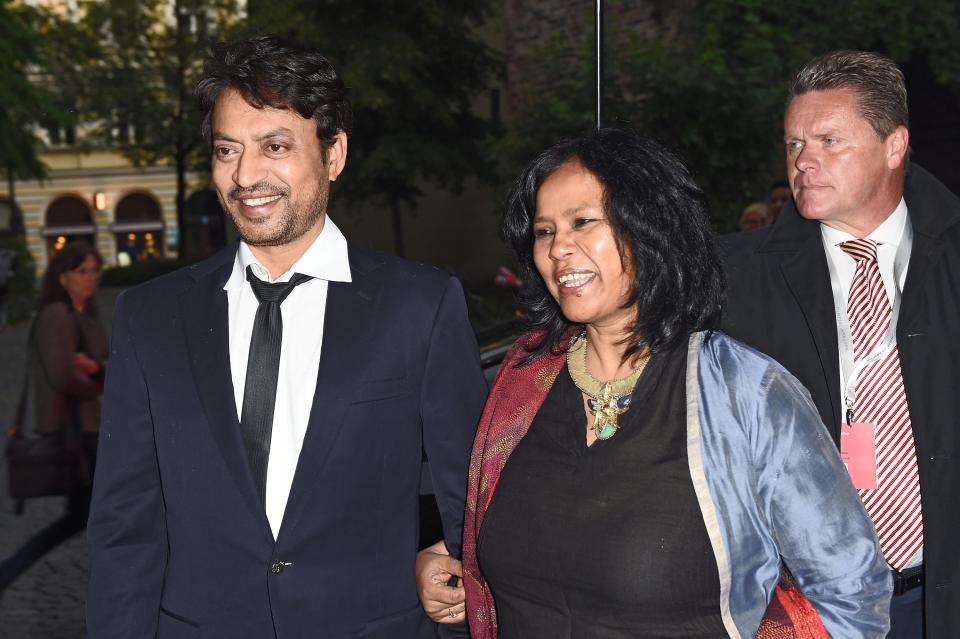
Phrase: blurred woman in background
(67, 357)
(68, 348)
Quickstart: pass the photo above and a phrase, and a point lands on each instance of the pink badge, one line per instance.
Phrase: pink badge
(858, 450)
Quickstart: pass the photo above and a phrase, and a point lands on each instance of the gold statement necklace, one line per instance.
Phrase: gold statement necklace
(606, 400)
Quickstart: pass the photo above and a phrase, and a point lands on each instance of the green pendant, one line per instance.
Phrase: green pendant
(606, 430)
(605, 415)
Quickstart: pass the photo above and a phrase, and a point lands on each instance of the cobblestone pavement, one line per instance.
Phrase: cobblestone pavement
(45, 602)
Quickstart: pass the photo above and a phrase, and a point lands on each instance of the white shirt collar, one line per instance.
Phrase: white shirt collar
(326, 259)
(889, 232)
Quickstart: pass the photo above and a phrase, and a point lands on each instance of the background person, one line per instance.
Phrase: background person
(871, 245)
(635, 474)
(778, 198)
(67, 355)
(755, 216)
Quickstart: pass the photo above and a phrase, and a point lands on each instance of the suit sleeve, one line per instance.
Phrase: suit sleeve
(451, 399)
(126, 533)
(824, 534)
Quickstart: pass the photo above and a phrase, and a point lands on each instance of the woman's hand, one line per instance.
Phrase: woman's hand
(85, 365)
(442, 603)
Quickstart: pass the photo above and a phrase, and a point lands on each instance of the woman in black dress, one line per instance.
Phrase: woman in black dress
(636, 474)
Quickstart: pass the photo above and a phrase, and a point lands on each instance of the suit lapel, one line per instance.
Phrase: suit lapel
(205, 322)
(923, 255)
(808, 278)
(932, 209)
(349, 323)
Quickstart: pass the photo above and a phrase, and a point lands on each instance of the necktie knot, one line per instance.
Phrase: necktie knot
(276, 292)
(860, 249)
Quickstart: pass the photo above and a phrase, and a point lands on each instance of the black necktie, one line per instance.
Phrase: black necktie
(263, 369)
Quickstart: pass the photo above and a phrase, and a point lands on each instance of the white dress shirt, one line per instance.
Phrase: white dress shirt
(303, 313)
(888, 236)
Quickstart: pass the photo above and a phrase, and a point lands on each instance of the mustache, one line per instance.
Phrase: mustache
(262, 189)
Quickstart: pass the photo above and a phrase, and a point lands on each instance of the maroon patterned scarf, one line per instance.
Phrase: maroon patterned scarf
(514, 400)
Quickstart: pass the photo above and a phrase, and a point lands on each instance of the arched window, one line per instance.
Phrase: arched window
(138, 228)
(68, 218)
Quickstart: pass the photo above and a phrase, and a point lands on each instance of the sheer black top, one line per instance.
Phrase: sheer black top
(607, 540)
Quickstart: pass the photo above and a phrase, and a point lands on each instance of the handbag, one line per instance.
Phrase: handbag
(790, 615)
(40, 467)
(46, 465)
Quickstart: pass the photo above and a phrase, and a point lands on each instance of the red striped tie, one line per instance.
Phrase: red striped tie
(894, 506)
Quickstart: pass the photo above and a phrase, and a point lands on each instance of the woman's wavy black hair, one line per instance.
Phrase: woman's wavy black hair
(660, 222)
(270, 72)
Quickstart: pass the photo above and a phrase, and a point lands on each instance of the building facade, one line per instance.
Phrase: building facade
(93, 192)
(128, 213)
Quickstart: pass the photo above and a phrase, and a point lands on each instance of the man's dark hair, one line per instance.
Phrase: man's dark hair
(778, 184)
(659, 220)
(876, 79)
(269, 72)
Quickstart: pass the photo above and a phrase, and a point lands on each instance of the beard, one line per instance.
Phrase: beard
(282, 226)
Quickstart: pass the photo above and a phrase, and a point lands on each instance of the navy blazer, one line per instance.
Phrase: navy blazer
(180, 546)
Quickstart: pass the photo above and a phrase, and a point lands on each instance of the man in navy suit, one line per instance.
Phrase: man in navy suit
(265, 410)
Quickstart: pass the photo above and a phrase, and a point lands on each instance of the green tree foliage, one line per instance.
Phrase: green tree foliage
(22, 102)
(716, 91)
(559, 85)
(414, 70)
(129, 68)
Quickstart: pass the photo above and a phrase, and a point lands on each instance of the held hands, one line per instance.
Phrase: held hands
(435, 567)
(85, 365)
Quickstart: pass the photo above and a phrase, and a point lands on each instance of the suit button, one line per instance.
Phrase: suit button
(276, 567)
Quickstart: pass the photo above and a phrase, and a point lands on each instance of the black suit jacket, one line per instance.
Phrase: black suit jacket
(180, 546)
(779, 300)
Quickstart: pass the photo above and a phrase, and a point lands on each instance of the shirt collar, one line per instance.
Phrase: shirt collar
(326, 259)
(889, 232)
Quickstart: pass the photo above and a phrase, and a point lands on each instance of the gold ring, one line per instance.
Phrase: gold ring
(451, 613)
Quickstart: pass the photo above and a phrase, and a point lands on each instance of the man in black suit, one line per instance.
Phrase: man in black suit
(798, 290)
(265, 409)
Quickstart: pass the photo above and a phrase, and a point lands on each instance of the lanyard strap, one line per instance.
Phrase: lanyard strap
(850, 369)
